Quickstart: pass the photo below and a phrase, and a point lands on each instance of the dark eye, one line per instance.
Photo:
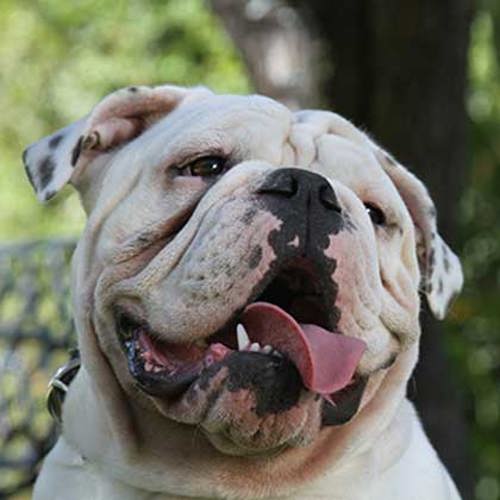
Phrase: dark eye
(376, 215)
(205, 167)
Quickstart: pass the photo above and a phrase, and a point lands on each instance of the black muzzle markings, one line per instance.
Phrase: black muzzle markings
(299, 281)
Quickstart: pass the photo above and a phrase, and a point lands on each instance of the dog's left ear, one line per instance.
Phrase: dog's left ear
(442, 277)
(119, 118)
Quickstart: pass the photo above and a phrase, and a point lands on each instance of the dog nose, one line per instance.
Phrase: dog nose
(296, 183)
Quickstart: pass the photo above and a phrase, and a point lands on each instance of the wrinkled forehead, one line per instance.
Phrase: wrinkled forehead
(256, 127)
(243, 127)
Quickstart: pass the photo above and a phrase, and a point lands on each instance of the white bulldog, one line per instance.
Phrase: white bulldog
(246, 296)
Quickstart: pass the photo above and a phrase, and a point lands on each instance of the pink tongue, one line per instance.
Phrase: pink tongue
(326, 360)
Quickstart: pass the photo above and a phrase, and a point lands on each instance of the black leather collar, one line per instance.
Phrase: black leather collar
(59, 384)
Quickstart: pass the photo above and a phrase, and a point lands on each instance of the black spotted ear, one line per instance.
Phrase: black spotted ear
(441, 270)
(116, 120)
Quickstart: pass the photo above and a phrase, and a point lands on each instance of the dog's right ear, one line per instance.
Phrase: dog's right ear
(119, 118)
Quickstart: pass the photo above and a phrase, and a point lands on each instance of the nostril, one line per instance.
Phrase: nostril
(283, 184)
(328, 199)
(301, 185)
(293, 187)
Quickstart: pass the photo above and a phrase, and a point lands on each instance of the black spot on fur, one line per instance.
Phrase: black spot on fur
(75, 154)
(446, 258)
(46, 171)
(26, 168)
(49, 194)
(431, 260)
(446, 263)
(28, 174)
(348, 223)
(275, 381)
(133, 89)
(432, 211)
(255, 257)
(440, 287)
(54, 142)
(249, 216)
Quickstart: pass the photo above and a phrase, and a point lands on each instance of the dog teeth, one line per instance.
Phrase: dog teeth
(244, 343)
(242, 336)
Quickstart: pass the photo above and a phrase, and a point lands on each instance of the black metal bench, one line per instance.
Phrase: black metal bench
(36, 332)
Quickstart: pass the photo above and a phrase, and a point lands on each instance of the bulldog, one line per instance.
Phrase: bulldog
(246, 297)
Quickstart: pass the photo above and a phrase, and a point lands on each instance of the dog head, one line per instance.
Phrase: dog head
(246, 270)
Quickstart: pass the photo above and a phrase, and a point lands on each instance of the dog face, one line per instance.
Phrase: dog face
(246, 270)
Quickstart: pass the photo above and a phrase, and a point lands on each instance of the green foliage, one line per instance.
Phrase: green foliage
(474, 338)
(58, 59)
(36, 332)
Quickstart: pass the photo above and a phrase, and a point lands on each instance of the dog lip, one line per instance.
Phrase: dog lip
(167, 370)
(337, 408)
(157, 384)
(341, 407)
(162, 369)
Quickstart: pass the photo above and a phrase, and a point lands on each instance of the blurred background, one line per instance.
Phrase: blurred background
(421, 76)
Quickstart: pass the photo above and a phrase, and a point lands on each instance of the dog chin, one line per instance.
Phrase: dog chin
(228, 446)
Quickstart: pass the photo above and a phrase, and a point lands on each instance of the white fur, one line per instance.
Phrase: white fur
(117, 443)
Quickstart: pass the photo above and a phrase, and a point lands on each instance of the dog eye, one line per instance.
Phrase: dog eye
(375, 214)
(205, 167)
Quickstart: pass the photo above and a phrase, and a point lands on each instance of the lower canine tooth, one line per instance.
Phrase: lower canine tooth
(255, 347)
(242, 337)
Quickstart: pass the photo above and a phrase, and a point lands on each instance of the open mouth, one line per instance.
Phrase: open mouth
(290, 318)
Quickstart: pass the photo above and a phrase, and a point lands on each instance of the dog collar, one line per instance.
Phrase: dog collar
(59, 385)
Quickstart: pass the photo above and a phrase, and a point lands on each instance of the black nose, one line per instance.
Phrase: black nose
(298, 184)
